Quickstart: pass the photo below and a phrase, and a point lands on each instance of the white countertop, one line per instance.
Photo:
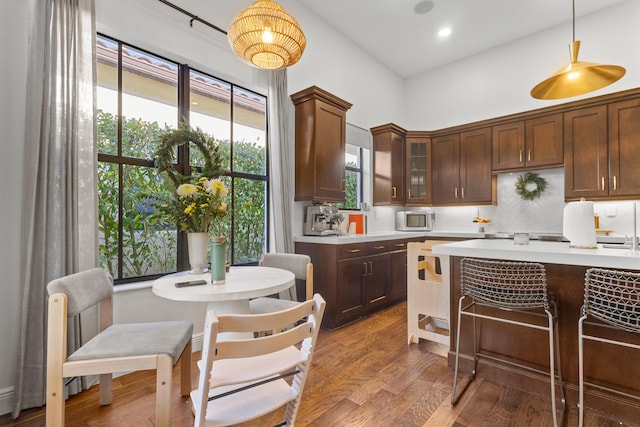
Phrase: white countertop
(384, 235)
(543, 252)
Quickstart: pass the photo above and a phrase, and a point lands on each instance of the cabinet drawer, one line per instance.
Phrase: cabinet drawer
(351, 251)
(398, 245)
(374, 248)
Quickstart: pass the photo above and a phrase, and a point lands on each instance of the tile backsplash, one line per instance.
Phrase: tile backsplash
(513, 214)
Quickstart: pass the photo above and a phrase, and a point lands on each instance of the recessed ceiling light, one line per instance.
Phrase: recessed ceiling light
(423, 7)
(444, 32)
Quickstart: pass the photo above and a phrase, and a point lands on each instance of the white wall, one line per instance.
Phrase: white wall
(492, 84)
(497, 82)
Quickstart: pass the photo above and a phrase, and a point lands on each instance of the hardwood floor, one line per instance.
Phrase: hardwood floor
(364, 374)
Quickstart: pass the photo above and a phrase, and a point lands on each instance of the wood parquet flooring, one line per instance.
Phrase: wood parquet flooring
(363, 374)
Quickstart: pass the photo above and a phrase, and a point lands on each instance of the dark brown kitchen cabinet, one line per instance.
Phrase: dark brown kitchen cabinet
(388, 165)
(461, 168)
(320, 138)
(544, 141)
(376, 279)
(624, 149)
(350, 298)
(602, 148)
(508, 146)
(445, 169)
(585, 153)
(418, 169)
(528, 144)
(357, 279)
(398, 271)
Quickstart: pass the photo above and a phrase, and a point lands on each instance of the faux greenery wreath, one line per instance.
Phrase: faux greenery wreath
(530, 186)
(194, 202)
(205, 144)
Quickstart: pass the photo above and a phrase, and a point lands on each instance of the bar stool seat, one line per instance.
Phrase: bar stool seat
(611, 298)
(515, 287)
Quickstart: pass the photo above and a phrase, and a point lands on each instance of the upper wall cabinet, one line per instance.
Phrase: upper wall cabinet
(602, 148)
(528, 144)
(624, 148)
(388, 165)
(586, 157)
(418, 169)
(461, 168)
(320, 132)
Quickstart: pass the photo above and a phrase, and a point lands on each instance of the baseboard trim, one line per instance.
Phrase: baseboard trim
(6, 400)
(197, 341)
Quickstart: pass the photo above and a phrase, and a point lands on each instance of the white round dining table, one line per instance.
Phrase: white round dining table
(232, 297)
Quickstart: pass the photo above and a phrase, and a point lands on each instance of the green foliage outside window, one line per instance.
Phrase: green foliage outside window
(352, 189)
(149, 239)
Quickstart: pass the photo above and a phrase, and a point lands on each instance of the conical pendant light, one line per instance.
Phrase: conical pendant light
(266, 36)
(578, 77)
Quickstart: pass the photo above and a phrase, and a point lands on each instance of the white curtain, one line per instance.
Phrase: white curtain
(59, 228)
(281, 146)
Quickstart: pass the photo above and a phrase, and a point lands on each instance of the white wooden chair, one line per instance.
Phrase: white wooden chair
(242, 379)
(301, 266)
(117, 348)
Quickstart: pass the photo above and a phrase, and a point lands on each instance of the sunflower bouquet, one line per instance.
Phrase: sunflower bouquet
(196, 206)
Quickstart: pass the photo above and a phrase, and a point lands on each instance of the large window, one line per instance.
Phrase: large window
(357, 167)
(140, 95)
(353, 178)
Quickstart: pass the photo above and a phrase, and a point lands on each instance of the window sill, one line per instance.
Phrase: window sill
(135, 286)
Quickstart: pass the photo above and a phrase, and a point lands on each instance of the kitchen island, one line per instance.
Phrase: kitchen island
(607, 365)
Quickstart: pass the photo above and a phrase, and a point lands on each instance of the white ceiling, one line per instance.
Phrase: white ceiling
(407, 42)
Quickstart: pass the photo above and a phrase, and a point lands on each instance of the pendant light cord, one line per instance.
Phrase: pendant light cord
(574, 19)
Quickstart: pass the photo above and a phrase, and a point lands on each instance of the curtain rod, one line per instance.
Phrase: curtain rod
(193, 17)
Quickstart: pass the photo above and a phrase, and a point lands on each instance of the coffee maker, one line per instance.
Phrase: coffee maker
(321, 220)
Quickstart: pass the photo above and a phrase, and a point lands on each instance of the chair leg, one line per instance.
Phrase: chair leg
(185, 370)
(563, 400)
(552, 372)
(106, 388)
(163, 390)
(471, 377)
(580, 372)
(55, 401)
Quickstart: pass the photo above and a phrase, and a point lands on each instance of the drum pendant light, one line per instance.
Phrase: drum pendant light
(578, 77)
(266, 36)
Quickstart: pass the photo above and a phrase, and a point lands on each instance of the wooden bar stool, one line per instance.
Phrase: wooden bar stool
(612, 298)
(515, 287)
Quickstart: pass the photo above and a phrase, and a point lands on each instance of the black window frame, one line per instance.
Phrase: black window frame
(183, 160)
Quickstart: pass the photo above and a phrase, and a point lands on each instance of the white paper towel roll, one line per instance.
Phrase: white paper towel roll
(579, 225)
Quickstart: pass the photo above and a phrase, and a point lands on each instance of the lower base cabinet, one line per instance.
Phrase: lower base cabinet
(357, 279)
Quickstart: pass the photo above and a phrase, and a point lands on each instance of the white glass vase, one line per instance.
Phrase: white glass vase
(198, 247)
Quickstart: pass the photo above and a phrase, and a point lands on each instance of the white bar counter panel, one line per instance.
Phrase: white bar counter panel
(543, 252)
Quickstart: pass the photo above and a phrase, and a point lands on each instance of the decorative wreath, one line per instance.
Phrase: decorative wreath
(205, 144)
(530, 186)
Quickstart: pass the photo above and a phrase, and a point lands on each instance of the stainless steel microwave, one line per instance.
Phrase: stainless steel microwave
(423, 220)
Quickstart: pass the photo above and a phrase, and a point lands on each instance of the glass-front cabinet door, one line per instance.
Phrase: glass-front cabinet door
(418, 169)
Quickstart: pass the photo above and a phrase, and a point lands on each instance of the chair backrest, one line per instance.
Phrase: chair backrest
(300, 265)
(83, 290)
(613, 297)
(516, 285)
(238, 366)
